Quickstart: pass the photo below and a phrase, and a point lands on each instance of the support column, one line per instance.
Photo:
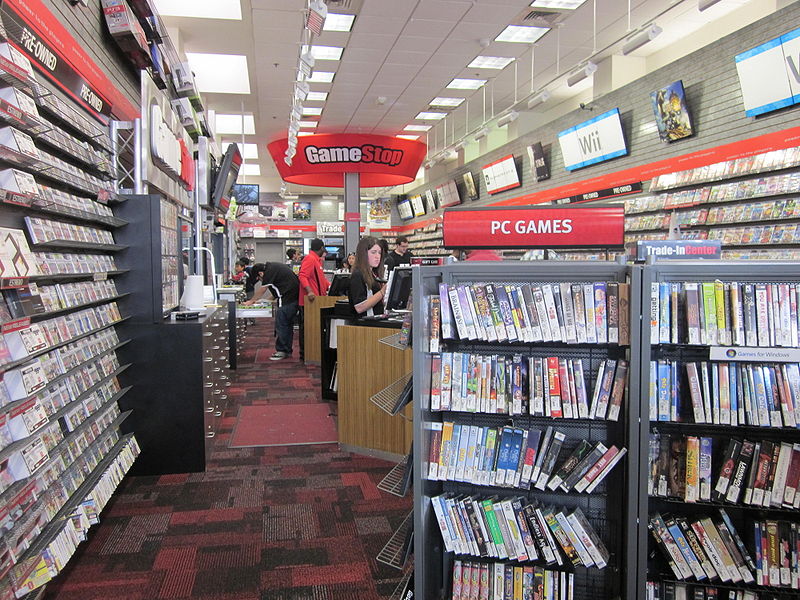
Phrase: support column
(352, 211)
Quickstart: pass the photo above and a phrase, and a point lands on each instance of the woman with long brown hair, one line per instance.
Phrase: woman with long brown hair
(366, 288)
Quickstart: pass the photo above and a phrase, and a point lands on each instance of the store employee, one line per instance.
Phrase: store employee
(366, 288)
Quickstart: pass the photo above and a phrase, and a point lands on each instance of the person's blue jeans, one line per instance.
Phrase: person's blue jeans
(284, 327)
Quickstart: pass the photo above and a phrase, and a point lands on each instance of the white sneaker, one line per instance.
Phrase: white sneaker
(279, 356)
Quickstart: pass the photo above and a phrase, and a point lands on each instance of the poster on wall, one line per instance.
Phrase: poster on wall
(672, 114)
(469, 184)
(501, 175)
(448, 194)
(593, 141)
(379, 213)
(768, 74)
(417, 205)
(539, 167)
(301, 211)
(275, 211)
(404, 209)
(430, 201)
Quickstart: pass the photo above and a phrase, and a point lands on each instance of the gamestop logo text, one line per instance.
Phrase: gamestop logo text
(366, 154)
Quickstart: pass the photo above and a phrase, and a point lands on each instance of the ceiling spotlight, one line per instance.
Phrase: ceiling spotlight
(429, 163)
(460, 146)
(301, 90)
(287, 160)
(641, 38)
(704, 4)
(306, 64)
(482, 133)
(538, 99)
(507, 119)
(581, 74)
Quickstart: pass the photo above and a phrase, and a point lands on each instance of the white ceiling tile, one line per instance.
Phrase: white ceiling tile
(414, 43)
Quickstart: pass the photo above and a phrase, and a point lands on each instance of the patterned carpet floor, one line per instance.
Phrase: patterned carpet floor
(268, 523)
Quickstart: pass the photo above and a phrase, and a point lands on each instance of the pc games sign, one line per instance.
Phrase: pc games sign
(322, 160)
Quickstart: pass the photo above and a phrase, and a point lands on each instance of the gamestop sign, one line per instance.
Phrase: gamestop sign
(593, 141)
(545, 227)
(322, 160)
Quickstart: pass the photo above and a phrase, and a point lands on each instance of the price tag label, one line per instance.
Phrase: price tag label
(16, 325)
(100, 276)
(10, 283)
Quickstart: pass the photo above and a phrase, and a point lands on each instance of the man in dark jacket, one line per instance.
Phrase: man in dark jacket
(284, 285)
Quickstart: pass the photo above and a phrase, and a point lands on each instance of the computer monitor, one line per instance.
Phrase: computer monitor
(340, 285)
(398, 289)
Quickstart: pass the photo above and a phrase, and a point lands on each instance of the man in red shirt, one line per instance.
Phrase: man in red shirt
(313, 282)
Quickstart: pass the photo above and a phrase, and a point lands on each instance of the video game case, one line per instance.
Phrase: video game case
(581, 450)
(570, 327)
(726, 470)
(618, 390)
(669, 547)
(549, 460)
(738, 478)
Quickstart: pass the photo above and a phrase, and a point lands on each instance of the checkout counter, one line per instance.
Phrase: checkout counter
(361, 366)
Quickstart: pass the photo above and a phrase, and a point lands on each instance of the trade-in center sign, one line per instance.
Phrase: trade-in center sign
(323, 159)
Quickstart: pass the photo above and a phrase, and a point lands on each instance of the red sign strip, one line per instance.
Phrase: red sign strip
(46, 26)
(565, 227)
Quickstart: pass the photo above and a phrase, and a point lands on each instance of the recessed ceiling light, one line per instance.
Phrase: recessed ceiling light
(522, 34)
(302, 133)
(439, 101)
(308, 123)
(249, 151)
(466, 84)
(250, 169)
(324, 52)
(220, 73)
(431, 116)
(565, 4)
(317, 96)
(408, 137)
(321, 77)
(232, 124)
(416, 127)
(312, 111)
(490, 62)
(338, 22)
(218, 9)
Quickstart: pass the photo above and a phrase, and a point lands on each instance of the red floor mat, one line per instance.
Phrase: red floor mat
(283, 425)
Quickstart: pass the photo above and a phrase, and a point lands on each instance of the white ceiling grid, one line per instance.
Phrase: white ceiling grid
(401, 54)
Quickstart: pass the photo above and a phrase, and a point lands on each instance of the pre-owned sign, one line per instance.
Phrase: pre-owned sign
(570, 227)
(322, 160)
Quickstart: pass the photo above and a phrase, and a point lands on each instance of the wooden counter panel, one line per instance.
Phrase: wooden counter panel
(312, 323)
(366, 367)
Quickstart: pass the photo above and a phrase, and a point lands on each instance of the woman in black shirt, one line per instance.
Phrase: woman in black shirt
(366, 289)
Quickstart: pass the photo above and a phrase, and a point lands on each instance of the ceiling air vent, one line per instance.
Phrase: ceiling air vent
(540, 18)
(339, 3)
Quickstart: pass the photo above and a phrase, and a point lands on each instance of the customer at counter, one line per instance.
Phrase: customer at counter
(367, 290)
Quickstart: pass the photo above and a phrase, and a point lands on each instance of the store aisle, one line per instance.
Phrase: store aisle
(270, 523)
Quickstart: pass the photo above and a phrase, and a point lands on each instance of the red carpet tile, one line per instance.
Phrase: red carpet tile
(262, 523)
(283, 425)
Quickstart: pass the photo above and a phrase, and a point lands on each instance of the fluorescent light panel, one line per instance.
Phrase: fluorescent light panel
(466, 84)
(308, 123)
(324, 52)
(250, 169)
(490, 62)
(321, 77)
(232, 124)
(304, 133)
(211, 9)
(521, 34)
(316, 96)
(220, 73)
(416, 128)
(249, 151)
(563, 4)
(408, 137)
(431, 116)
(440, 101)
(312, 111)
(338, 22)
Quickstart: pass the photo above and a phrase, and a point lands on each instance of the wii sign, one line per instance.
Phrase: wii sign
(593, 141)
(769, 74)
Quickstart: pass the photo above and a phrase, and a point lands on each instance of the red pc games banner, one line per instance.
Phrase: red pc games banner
(570, 227)
(322, 160)
(38, 34)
